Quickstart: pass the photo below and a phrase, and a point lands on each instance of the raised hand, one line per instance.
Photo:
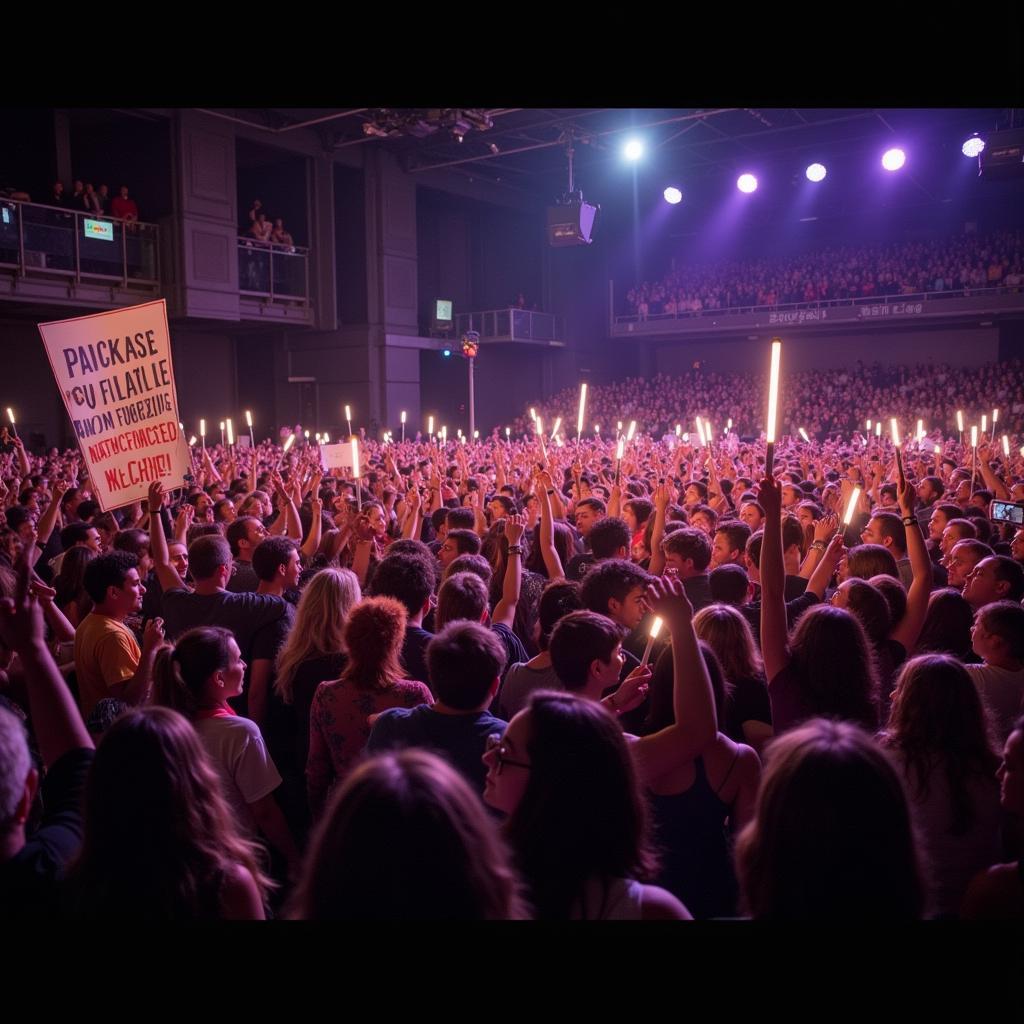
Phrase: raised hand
(515, 527)
(155, 497)
(633, 689)
(666, 597)
(769, 496)
(21, 617)
(826, 527)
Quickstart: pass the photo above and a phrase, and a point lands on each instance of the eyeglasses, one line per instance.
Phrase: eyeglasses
(494, 744)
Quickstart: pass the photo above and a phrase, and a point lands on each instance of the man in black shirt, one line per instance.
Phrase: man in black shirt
(408, 578)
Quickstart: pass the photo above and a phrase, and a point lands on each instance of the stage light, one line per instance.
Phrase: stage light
(673, 195)
(973, 146)
(633, 149)
(746, 183)
(816, 172)
(446, 353)
(893, 159)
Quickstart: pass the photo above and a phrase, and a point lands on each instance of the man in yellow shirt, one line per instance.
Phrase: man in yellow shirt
(108, 660)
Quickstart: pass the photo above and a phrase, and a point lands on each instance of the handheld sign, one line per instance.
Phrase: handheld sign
(116, 376)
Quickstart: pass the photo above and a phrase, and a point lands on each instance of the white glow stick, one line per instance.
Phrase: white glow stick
(974, 436)
(622, 445)
(895, 428)
(773, 391)
(803, 434)
(202, 428)
(10, 415)
(248, 418)
(851, 506)
(878, 429)
(938, 449)
(597, 428)
(192, 440)
(580, 413)
(533, 413)
(289, 441)
(231, 432)
(995, 418)
(868, 427)
(700, 431)
(632, 430)
(403, 416)
(960, 420)
(476, 435)
(508, 433)
(327, 438)
(554, 429)
(984, 422)
(651, 637)
(430, 425)
(728, 425)
(679, 429)
(1006, 446)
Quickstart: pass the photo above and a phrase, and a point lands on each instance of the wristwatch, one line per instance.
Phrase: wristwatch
(819, 545)
(909, 521)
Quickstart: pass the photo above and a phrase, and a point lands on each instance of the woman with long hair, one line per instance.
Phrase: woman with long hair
(747, 715)
(160, 839)
(825, 666)
(947, 626)
(405, 838)
(197, 677)
(831, 838)
(339, 721)
(577, 821)
(69, 583)
(699, 803)
(313, 653)
(531, 584)
(938, 733)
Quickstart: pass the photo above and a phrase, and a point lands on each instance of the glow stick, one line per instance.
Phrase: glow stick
(306, 432)
(348, 419)
(403, 426)
(984, 422)
(327, 438)
(476, 435)
(773, 405)
(192, 440)
(231, 432)
(181, 426)
(533, 413)
(10, 416)
(221, 431)
(444, 434)
(632, 430)
(960, 420)
(938, 449)
(403, 417)
(920, 430)
(868, 427)
(728, 425)
(508, 433)
(878, 429)
(554, 429)
(700, 431)
(995, 417)
(202, 432)
(355, 473)
(289, 441)
(1006, 446)
(248, 418)
(851, 506)
(686, 438)
(895, 428)
(651, 637)
(579, 414)
(679, 429)
(803, 434)
(597, 429)
(618, 428)
(430, 426)
(974, 436)
(462, 439)
(622, 445)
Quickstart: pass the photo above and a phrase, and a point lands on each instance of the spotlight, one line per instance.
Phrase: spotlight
(973, 146)
(746, 183)
(816, 172)
(893, 159)
(673, 195)
(633, 150)
(446, 353)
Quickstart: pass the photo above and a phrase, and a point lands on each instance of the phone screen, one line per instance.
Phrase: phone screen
(1007, 512)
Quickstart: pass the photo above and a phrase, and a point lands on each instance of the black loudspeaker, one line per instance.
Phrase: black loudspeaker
(1003, 155)
(571, 223)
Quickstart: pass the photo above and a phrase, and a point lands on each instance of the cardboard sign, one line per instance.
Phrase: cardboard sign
(115, 374)
(336, 456)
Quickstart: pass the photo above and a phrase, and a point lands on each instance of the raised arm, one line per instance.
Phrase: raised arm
(165, 572)
(992, 482)
(661, 497)
(505, 609)
(55, 717)
(693, 702)
(909, 629)
(52, 514)
(548, 551)
(774, 633)
(316, 525)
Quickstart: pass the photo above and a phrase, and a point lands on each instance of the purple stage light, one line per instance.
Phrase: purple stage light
(816, 172)
(673, 195)
(893, 159)
(746, 183)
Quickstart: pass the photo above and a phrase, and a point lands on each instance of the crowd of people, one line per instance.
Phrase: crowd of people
(959, 264)
(83, 197)
(264, 229)
(508, 679)
(823, 402)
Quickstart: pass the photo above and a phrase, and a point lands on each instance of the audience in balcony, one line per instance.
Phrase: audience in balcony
(124, 208)
(280, 235)
(909, 268)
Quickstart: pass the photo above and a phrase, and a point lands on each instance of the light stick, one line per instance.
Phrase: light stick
(920, 430)
(202, 432)
(403, 426)
(462, 439)
(895, 428)
(597, 429)
(995, 418)
(289, 441)
(10, 416)
(508, 434)
(222, 432)
(231, 433)
(679, 429)
(728, 425)
(306, 432)
(803, 434)
(960, 423)
(974, 436)
(348, 419)
(248, 420)
(355, 473)
(851, 506)
(618, 428)
(533, 413)
(984, 422)
(580, 413)
(868, 427)
(618, 457)
(1006, 446)
(773, 405)
(938, 449)
(476, 435)
(327, 438)
(181, 426)
(651, 637)
(878, 429)
(192, 440)
(632, 430)
(430, 427)
(974, 455)
(444, 435)
(554, 429)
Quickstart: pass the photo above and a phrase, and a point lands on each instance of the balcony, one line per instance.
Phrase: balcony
(518, 325)
(70, 257)
(273, 280)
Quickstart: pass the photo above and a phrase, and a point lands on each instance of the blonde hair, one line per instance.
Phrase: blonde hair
(319, 624)
(728, 634)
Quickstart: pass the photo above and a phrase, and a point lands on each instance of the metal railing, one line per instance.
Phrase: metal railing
(514, 324)
(45, 241)
(277, 272)
(860, 300)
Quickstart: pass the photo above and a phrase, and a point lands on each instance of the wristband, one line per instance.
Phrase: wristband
(909, 521)
(819, 545)
(515, 549)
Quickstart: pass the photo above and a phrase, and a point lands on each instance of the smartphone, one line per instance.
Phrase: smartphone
(1007, 512)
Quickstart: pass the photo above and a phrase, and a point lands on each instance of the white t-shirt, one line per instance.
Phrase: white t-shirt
(1002, 690)
(235, 744)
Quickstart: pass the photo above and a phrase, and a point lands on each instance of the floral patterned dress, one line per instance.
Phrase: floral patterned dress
(339, 727)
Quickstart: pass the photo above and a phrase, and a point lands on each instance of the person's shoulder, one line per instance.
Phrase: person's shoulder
(657, 904)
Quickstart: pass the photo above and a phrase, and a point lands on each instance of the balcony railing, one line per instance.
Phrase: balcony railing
(511, 325)
(49, 241)
(279, 273)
